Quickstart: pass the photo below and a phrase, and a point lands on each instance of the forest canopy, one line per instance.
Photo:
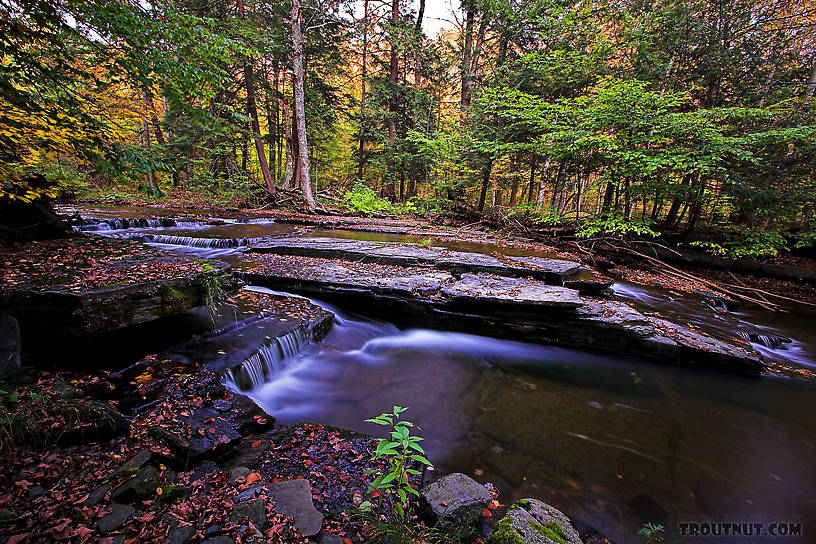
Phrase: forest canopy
(623, 117)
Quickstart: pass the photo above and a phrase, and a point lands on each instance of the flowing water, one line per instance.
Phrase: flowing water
(614, 442)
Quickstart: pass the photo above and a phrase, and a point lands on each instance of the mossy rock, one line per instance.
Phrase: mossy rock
(176, 300)
(530, 521)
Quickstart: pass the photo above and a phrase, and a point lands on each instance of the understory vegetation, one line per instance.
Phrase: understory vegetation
(635, 118)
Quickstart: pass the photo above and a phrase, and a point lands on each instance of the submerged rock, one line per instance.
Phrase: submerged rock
(530, 521)
(454, 501)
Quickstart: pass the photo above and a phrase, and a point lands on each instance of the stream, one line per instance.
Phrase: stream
(613, 442)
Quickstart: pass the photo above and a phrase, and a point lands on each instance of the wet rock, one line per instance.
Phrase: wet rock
(454, 501)
(96, 495)
(179, 534)
(477, 289)
(239, 472)
(9, 343)
(293, 499)
(212, 530)
(136, 462)
(119, 514)
(325, 537)
(531, 521)
(221, 539)
(139, 487)
(254, 509)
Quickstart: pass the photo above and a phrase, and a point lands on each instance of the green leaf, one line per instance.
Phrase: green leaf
(421, 459)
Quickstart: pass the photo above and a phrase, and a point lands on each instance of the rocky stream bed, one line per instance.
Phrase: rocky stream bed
(168, 449)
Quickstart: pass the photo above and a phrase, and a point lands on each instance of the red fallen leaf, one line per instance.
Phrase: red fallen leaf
(252, 478)
(159, 491)
(256, 444)
(25, 484)
(346, 541)
(82, 498)
(81, 532)
(486, 513)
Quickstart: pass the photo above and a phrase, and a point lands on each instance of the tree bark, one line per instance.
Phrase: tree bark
(288, 175)
(300, 106)
(363, 75)
(420, 16)
(486, 169)
(467, 52)
(252, 110)
(392, 105)
(542, 188)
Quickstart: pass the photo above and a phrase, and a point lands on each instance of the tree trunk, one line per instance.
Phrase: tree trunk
(467, 52)
(542, 188)
(252, 110)
(393, 77)
(420, 15)
(364, 74)
(300, 106)
(288, 175)
(486, 169)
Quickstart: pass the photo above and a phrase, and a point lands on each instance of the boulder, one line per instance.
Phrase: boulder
(141, 486)
(454, 501)
(530, 521)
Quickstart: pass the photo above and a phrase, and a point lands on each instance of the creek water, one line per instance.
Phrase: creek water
(614, 442)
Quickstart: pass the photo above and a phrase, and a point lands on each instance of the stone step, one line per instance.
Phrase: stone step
(551, 270)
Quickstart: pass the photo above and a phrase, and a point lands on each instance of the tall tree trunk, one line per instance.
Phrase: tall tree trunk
(486, 169)
(364, 75)
(467, 52)
(531, 185)
(288, 175)
(420, 16)
(392, 105)
(252, 110)
(300, 106)
(542, 188)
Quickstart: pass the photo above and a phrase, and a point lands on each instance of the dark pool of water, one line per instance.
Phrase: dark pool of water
(613, 442)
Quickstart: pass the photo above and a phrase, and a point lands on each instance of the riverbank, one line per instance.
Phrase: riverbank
(773, 277)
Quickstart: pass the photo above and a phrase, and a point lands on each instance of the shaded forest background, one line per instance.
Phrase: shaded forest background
(641, 116)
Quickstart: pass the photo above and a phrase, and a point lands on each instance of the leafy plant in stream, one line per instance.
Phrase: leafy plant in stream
(401, 451)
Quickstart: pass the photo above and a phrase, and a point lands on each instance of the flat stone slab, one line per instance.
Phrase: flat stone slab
(86, 285)
(531, 309)
(483, 289)
(552, 271)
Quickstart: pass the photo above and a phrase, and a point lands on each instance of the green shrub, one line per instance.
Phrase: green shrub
(364, 199)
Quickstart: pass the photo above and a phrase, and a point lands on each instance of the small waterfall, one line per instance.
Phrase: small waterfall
(139, 223)
(248, 221)
(207, 243)
(768, 340)
(270, 358)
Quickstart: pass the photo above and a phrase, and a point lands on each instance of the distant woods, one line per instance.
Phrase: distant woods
(615, 117)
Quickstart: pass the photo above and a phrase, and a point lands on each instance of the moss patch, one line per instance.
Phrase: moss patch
(175, 300)
(504, 533)
(552, 530)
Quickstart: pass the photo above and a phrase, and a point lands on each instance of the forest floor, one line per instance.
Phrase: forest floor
(58, 485)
